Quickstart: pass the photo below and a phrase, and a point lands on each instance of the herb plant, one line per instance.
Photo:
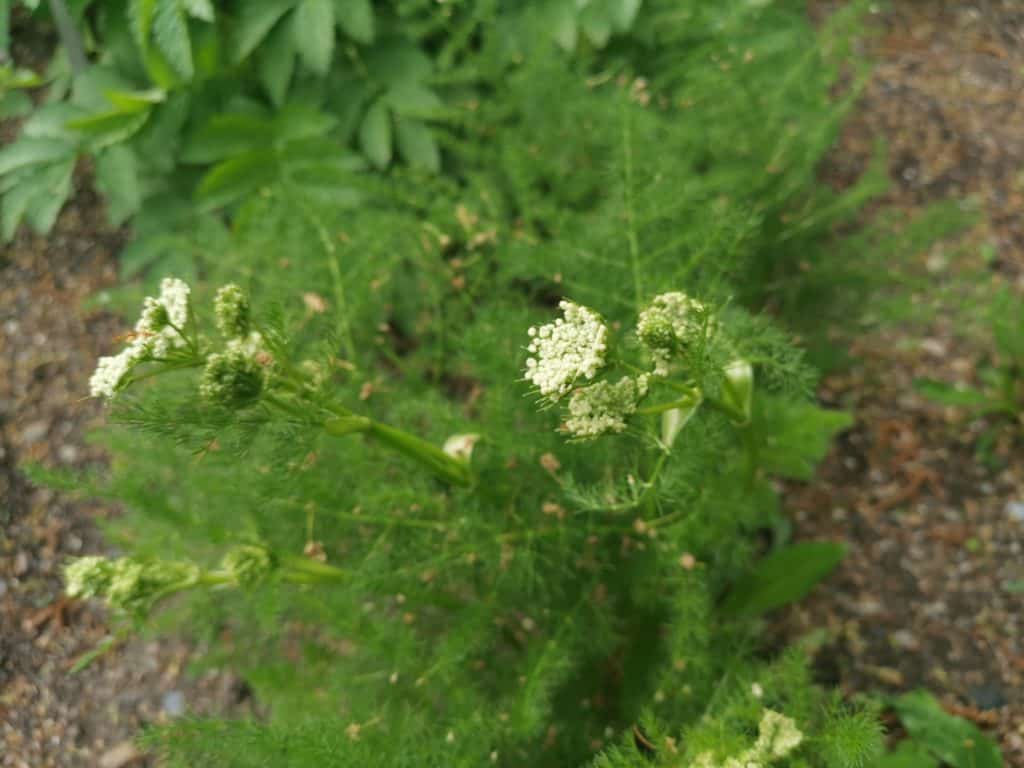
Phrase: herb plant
(424, 533)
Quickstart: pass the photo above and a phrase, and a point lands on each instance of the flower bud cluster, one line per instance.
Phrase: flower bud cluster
(233, 378)
(778, 735)
(231, 309)
(249, 564)
(603, 407)
(571, 348)
(159, 329)
(672, 320)
(127, 584)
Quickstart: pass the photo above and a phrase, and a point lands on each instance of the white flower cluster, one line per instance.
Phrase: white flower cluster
(670, 320)
(158, 330)
(571, 348)
(777, 737)
(604, 407)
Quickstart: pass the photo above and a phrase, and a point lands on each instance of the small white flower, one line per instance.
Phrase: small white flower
(163, 318)
(571, 348)
(112, 370)
(603, 407)
(756, 690)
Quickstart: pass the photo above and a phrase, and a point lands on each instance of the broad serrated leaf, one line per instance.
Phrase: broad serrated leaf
(15, 104)
(596, 22)
(109, 128)
(623, 13)
(118, 179)
(135, 101)
(170, 31)
(50, 121)
(782, 577)
(302, 122)
(375, 134)
(16, 201)
(236, 177)
(56, 186)
(417, 146)
(355, 17)
(795, 436)
(277, 63)
(140, 18)
(398, 61)
(413, 99)
(257, 18)
(200, 9)
(31, 151)
(956, 742)
(226, 135)
(313, 33)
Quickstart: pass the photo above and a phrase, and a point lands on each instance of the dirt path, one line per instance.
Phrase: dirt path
(48, 349)
(930, 593)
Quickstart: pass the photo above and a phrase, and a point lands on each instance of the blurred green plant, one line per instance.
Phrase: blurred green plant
(1001, 393)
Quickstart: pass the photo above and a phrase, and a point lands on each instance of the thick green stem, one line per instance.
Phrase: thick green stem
(446, 467)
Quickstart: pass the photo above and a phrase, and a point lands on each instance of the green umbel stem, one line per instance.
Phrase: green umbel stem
(446, 467)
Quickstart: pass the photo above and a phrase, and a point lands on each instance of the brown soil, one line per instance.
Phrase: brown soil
(929, 596)
(48, 348)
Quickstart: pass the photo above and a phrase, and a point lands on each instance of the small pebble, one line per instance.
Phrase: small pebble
(174, 703)
(35, 431)
(1015, 509)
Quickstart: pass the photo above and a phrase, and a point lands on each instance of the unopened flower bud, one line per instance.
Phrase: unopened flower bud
(231, 307)
(249, 564)
(232, 379)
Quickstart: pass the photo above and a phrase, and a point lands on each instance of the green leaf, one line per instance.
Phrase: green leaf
(257, 19)
(375, 134)
(29, 151)
(417, 145)
(237, 177)
(55, 187)
(108, 128)
(140, 18)
(783, 577)
(355, 17)
(227, 135)
(14, 104)
(948, 394)
(623, 13)
(597, 24)
(117, 178)
(909, 754)
(413, 99)
(954, 741)
(135, 101)
(170, 30)
(50, 121)
(793, 436)
(313, 32)
(397, 61)
(277, 63)
(5, 26)
(199, 9)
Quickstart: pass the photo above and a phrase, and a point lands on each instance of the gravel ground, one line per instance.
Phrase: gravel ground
(48, 349)
(930, 595)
